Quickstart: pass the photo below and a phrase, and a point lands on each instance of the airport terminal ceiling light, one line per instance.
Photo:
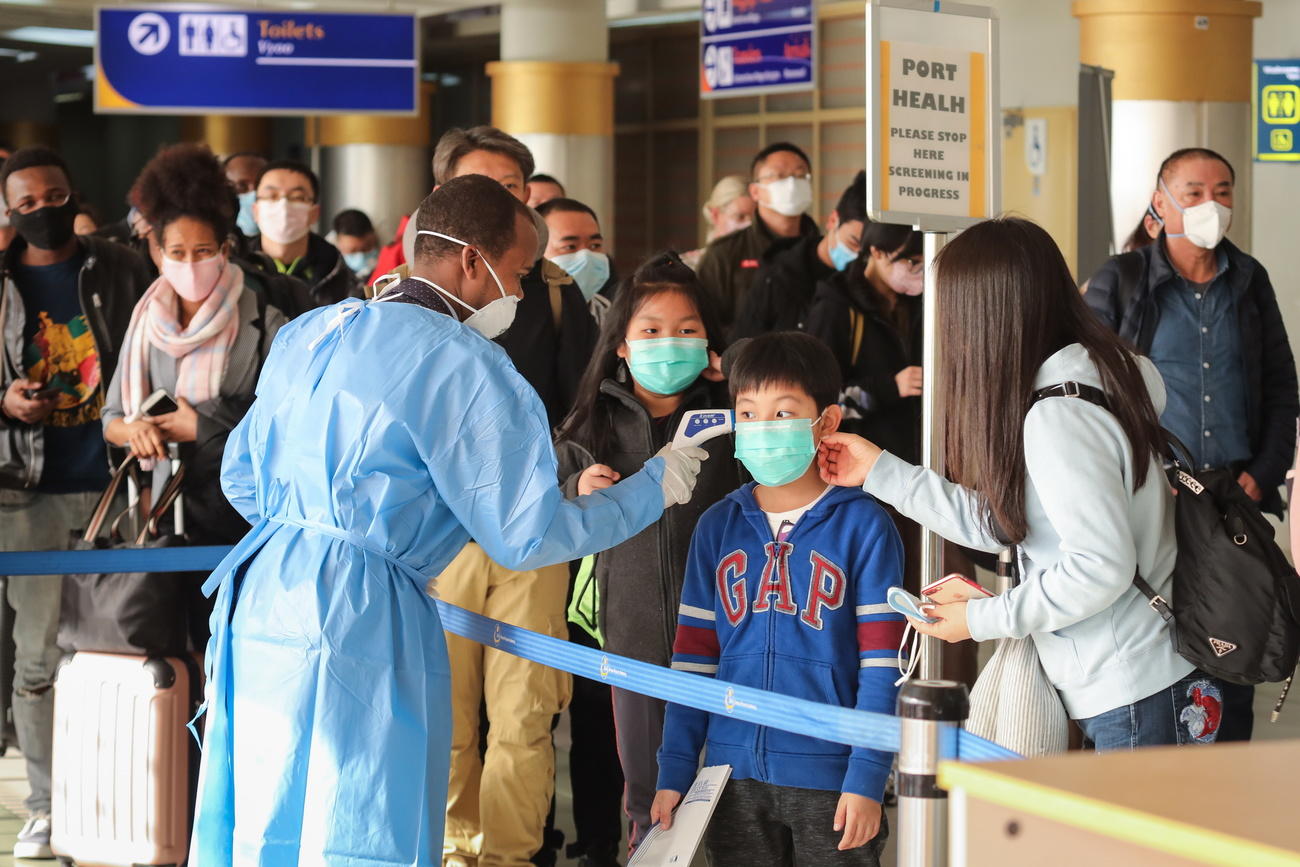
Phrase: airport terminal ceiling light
(52, 36)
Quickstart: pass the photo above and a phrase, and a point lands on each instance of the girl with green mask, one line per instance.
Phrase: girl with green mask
(657, 358)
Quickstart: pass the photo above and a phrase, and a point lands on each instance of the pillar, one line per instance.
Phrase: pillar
(554, 90)
(377, 164)
(1182, 79)
(228, 134)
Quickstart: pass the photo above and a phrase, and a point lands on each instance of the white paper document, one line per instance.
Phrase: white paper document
(676, 846)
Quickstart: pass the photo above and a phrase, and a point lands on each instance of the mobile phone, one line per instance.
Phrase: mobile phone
(43, 393)
(907, 605)
(158, 403)
(954, 588)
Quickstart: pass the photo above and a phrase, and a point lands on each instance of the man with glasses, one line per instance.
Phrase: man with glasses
(781, 183)
(287, 206)
(65, 307)
(784, 286)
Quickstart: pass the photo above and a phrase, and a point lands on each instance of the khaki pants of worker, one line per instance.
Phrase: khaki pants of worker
(497, 805)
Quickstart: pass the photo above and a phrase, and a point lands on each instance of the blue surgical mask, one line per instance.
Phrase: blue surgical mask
(588, 268)
(245, 220)
(842, 256)
(361, 262)
(666, 365)
(776, 452)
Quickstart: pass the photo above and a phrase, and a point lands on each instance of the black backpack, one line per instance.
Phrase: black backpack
(1236, 606)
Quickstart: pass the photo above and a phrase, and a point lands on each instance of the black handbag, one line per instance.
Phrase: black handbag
(1236, 607)
(138, 613)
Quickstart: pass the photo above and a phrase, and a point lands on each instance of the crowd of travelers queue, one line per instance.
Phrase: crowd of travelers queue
(187, 293)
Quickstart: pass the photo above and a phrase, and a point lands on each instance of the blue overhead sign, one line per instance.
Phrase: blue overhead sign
(173, 60)
(755, 46)
(1276, 102)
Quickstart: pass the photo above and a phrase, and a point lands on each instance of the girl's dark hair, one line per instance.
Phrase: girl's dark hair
(185, 180)
(901, 241)
(786, 358)
(588, 423)
(1139, 237)
(1009, 304)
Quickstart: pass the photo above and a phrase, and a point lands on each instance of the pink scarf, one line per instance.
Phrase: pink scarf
(202, 347)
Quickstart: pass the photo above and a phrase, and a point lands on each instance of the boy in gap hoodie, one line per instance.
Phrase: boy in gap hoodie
(785, 591)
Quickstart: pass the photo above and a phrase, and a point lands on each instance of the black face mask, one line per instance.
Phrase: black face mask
(47, 228)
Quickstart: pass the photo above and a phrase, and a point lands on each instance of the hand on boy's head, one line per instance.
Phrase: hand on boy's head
(661, 810)
(859, 818)
(846, 460)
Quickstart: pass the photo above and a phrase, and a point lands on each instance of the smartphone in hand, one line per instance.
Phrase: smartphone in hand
(954, 588)
(158, 403)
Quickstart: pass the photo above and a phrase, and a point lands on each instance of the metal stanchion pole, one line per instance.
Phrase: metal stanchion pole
(1006, 570)
(931, 440)
(927, 708)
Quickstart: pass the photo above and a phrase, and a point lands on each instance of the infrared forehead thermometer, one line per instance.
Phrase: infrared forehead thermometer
(699, 426)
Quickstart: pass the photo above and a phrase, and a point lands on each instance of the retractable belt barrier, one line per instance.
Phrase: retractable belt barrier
(827, 722)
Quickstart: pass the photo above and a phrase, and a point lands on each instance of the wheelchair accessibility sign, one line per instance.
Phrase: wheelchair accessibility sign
(1276, 109)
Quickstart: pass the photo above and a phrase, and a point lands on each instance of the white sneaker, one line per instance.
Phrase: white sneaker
(34, 839)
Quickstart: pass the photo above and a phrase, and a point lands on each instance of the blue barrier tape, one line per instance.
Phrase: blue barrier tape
(189, 559)
(827, 722)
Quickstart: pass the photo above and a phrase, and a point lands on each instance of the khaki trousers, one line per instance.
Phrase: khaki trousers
(497, 805)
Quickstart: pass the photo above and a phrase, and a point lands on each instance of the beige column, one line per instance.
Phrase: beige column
(554, 89)
(376, 163)
(1182, 79)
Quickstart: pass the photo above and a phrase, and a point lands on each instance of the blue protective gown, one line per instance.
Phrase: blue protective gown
(384, 436)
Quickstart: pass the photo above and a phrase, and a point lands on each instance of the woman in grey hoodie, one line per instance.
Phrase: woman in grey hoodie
(1079, 488)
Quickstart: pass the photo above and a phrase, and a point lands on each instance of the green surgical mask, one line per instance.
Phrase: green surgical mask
(776, 452)
(666, 365)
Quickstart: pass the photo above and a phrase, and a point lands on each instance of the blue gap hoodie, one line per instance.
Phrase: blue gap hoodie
(806, 617)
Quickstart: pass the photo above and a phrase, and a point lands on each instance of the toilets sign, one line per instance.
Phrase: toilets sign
(200, 60)
(932, 147)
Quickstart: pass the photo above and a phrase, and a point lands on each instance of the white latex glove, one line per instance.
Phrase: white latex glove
(681, 467)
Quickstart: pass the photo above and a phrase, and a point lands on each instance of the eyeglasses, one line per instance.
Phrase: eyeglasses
(298, 198)
(55, 199)
(769, 177)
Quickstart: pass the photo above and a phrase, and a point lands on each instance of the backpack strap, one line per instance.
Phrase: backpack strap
(1096, 396)
(858, 324)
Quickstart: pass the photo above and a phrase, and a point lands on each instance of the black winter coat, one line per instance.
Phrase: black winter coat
(870, 387)
(551, 360)
(640, 580)
(783, 289)
(1123, 294)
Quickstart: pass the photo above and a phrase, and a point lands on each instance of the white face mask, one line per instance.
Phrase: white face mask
(283, 221)
(790, 196)
(1204, 224)
(492, 319)
(194, 281)
(903, 280)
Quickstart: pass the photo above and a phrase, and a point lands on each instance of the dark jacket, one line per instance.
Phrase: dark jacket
(783, 288)
(551, 359)
(209, 517)
(730, 263)
(285, 293)
(1123, 294)
(111, 281)
(640, 580)
(870, 389)
(331, 281)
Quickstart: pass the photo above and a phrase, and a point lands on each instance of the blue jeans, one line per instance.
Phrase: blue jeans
(1189, 712)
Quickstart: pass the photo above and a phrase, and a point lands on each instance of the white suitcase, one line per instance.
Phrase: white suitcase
(124, 762)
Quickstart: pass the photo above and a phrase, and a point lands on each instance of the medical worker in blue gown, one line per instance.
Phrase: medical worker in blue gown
(384, 436)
